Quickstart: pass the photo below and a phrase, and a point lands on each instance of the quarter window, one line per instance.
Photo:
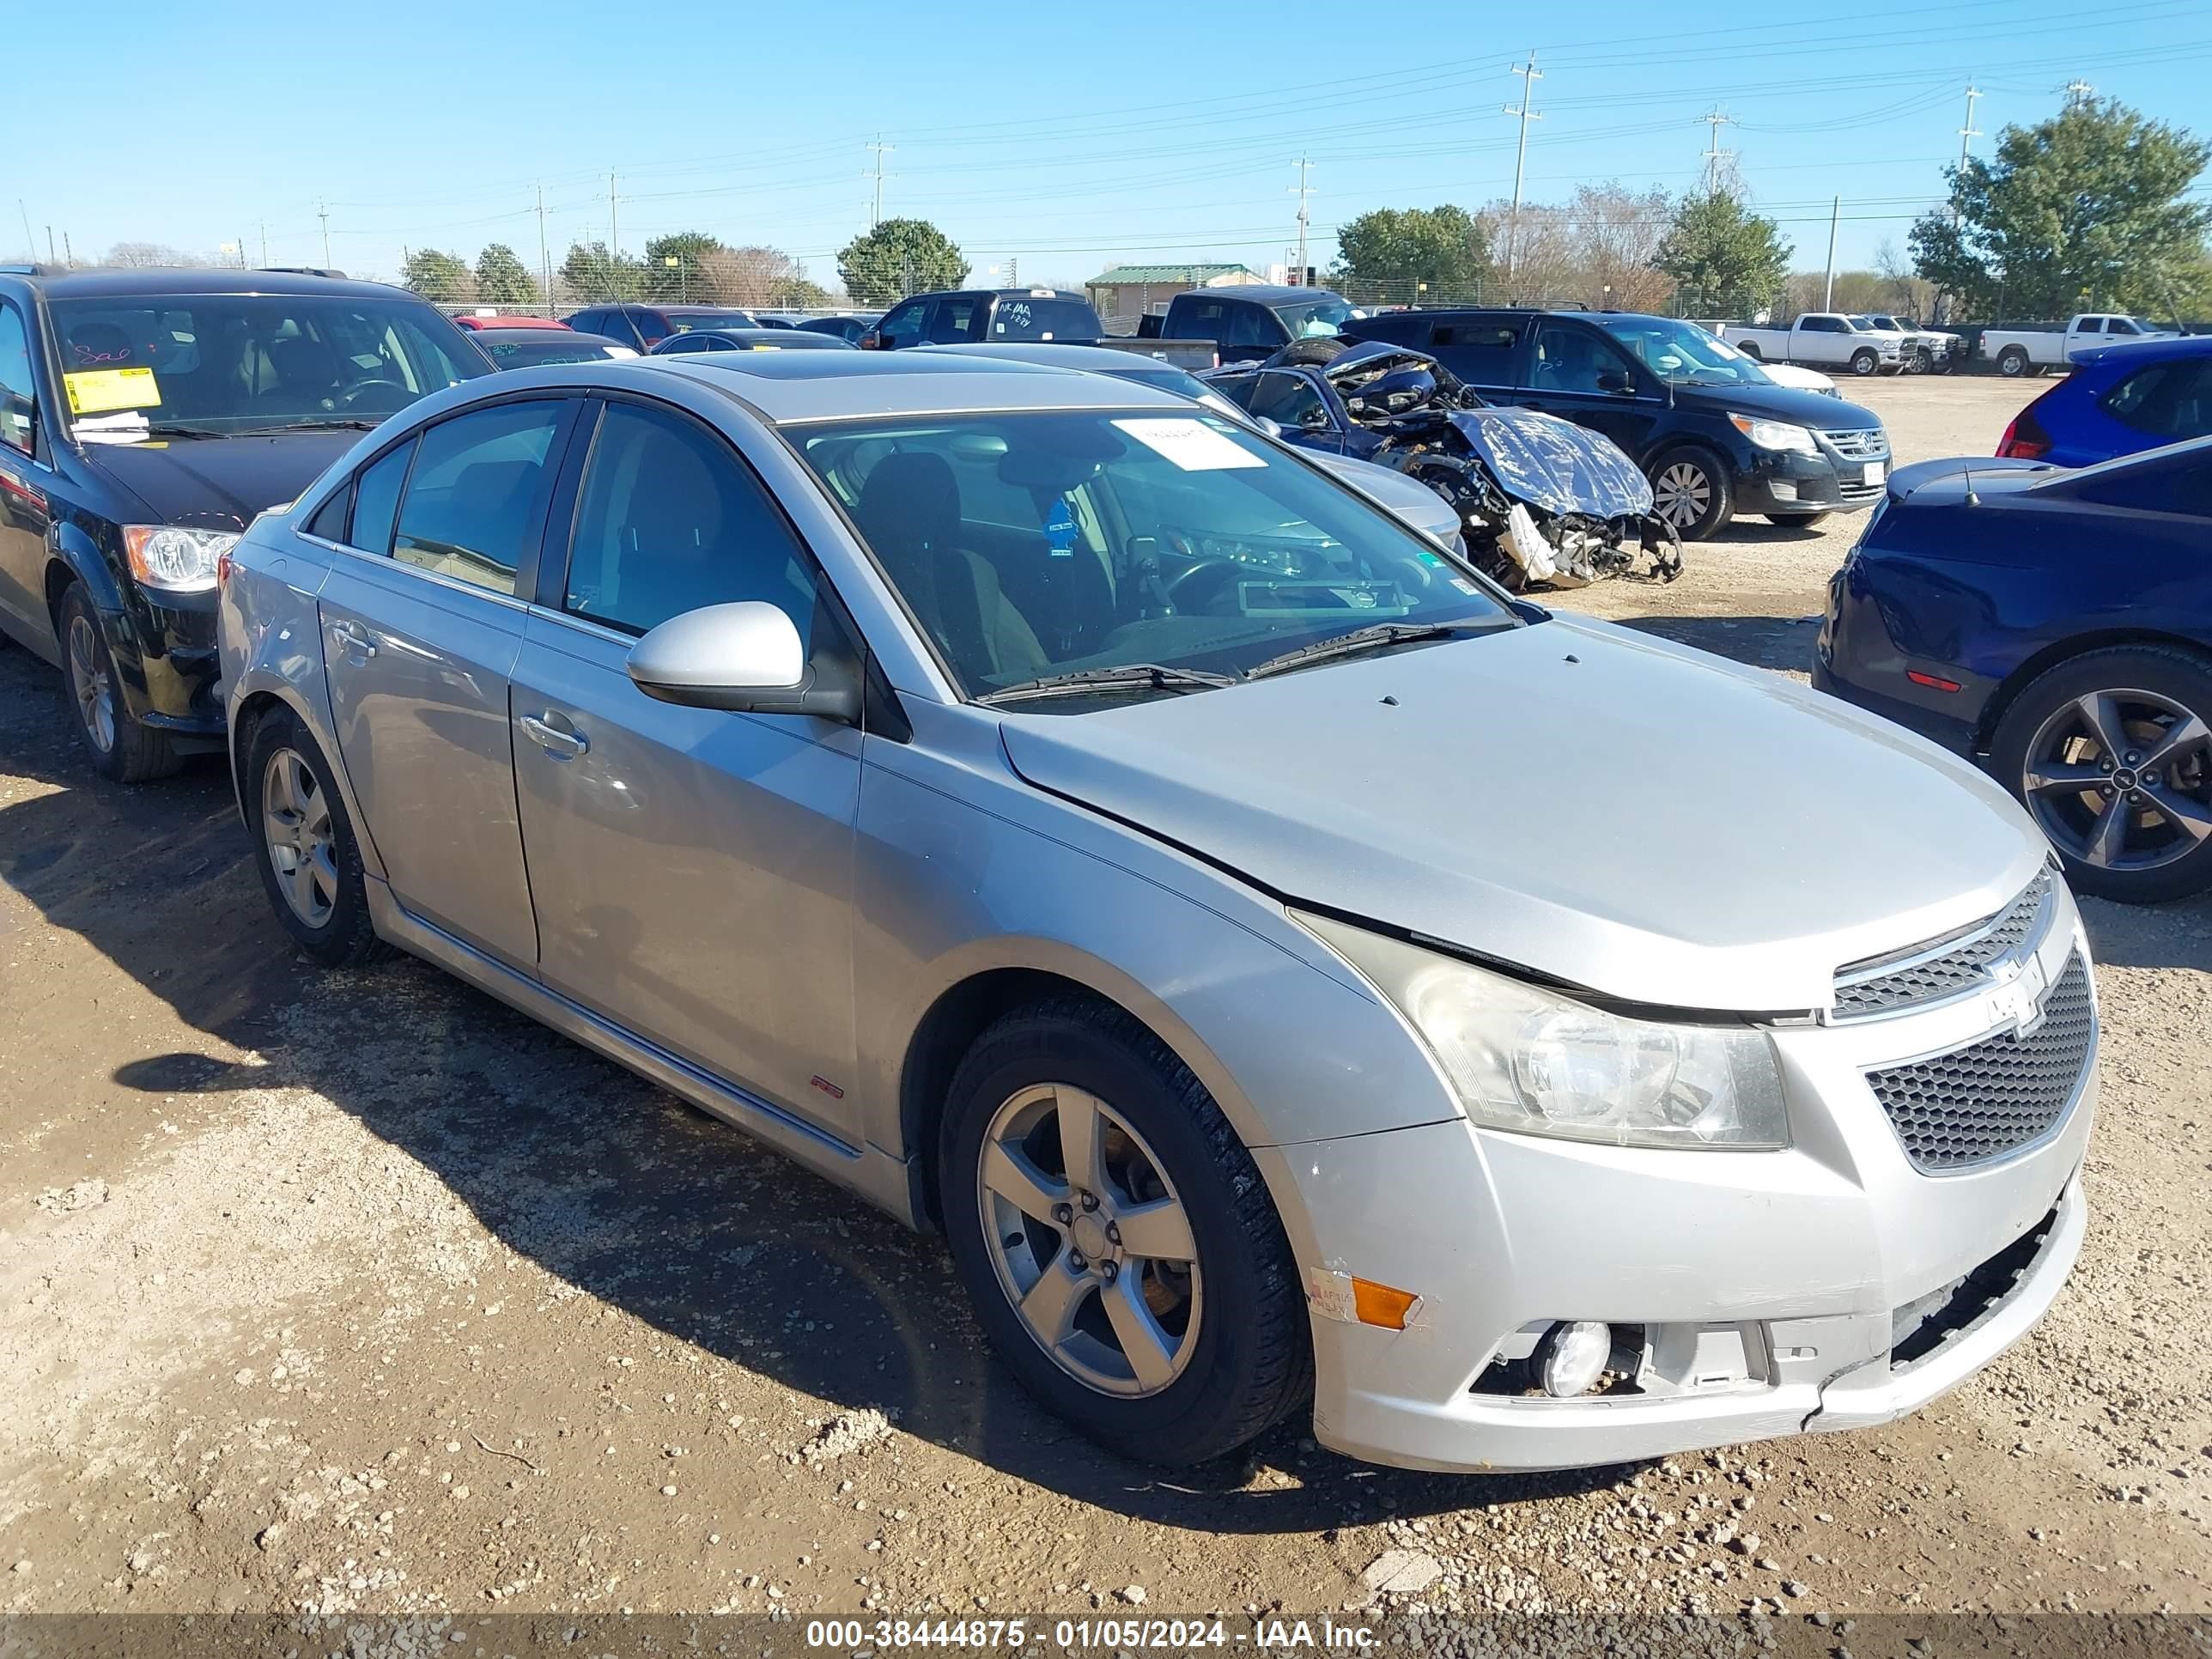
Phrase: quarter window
(18, 401)
(670, 521)
(477, 492)
(329, 519)
(376, 500)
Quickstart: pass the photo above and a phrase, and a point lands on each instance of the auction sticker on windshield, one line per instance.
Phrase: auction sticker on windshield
(92, 390)
(1191, 444)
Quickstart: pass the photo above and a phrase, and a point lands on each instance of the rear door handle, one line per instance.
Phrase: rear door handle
(560, 744)
(355, 638)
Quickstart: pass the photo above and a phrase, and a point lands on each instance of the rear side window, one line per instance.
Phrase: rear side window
(1043, 319)
(18, 401)
(1481, 352)
(476, 493)
(376, 500)
(2167, 400)
(954, 319)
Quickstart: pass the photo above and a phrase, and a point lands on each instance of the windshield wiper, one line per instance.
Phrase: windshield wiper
(1128, 676)
(320, 423)
(1380, 637)
(183, 429)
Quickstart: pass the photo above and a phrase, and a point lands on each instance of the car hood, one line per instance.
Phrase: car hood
(1779, 402)
(220, 483)
(1600, 808)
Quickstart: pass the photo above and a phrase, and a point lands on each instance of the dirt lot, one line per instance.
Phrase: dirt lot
(363, 1294)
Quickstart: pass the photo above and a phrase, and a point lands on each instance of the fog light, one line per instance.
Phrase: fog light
(1572, 1356)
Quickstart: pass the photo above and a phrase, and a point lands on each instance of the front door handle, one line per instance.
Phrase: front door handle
(355, 638)
(559, 743)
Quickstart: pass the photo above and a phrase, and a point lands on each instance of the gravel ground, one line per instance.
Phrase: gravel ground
(360, 1293)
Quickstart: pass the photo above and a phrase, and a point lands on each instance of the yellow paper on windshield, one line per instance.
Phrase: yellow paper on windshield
(92, 390)
(1191, 444)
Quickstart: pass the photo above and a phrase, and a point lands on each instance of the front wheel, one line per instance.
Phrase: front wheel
(1118, 1239)
(2111, 755)
(1865, 361)
(1690, 490)
(122, 748)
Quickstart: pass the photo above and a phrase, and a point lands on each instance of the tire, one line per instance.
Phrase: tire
(1865, 361)
(1232, 1354)
(332, 925)
(122, 749)
(2012, 361)
(1795, 520)
(1697, 482)
(2137, 694)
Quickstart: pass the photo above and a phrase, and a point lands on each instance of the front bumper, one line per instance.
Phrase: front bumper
(1809, 1263)
(1787, 481)
(166, 662)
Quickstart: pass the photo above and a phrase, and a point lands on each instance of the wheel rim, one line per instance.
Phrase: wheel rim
(1090, 1240)
(1865, 363)
(2122, 779)
(2011, 363)
(295, 828)
(1683, 494)
(89, 686)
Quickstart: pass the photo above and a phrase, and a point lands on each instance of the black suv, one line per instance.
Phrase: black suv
(1023, 316)
(1712, 433)
(644, 327)
(146, 416)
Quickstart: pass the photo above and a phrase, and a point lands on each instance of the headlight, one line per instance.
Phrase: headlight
(173, 559)
(1537, 1063)
(1775, 435)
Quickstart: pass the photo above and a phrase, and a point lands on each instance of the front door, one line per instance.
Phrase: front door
(692, 868)
(418, 640)
(24, 513)
(1295, 403)
(1578, 375)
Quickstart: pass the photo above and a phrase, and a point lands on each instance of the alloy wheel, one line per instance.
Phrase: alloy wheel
(1683, 494)
(295, 827)
(90, 687)
(1090, 1240)
(2122, 779)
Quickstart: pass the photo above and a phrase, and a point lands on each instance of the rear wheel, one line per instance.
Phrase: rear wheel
(2112, 754)
(1690, 490)
(1116, 1238)
(122, 748)
(2012, 361)
(1865, 361)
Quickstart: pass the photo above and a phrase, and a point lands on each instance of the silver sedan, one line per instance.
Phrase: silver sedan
(1291, 974)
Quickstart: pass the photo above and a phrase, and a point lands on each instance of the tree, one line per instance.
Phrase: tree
(1615, 234)
(503, 280)
(746, 276)
(1390, 253)
(900, 257)
(799, 292)
(1546, 263)
(438, 277)
(152, 253)
(2086, 210)
(690, 249)
(1724, 260)
(593, 274)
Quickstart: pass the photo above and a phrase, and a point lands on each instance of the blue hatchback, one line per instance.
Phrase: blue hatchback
(2120, 399)
(2057, 625)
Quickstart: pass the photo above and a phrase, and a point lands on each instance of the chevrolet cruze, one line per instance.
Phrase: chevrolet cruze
(1291, 974)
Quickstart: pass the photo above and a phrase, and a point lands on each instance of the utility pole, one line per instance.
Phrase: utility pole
(30, 242)
(69, 254)
(1013, 272)
(1530, 75)
(1715, 121)
(264, 241)
(544, 253)
(49, 245)
(614, 230)
(876, 207)
(1969, 132)
(322, 212)
(2078, 93)
(241, 250)
(1835, 214)
(1303, 191)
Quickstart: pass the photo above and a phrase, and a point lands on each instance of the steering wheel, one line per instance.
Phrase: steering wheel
(1202, 584)
(354, 395)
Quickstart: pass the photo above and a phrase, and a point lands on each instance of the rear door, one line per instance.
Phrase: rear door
(957, 319)
(692, 868)
(420, 630)
(1484, 354)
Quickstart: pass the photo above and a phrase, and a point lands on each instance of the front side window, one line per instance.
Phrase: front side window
(670, 520)
(1288, 400)
(1033, 543)
(233, 363)
(901, 327)
(18, 396)
(476, 493)
(1571, 359)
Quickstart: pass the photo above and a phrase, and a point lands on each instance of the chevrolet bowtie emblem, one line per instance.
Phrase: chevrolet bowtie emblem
(2018, 1000)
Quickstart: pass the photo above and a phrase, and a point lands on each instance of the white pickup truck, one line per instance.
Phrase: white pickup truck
(2016, 351)
(1823, 337)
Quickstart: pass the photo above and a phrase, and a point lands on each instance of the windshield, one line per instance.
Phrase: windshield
(1029, 544)
(253, 363)
(1682, 354)
(1323, 316)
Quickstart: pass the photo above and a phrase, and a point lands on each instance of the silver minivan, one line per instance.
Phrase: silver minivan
(1290, 973)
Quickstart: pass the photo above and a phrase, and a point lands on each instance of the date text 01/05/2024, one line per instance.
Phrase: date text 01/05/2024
(1079, 1635)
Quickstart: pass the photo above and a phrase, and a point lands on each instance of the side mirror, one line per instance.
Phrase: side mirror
(1619, 381)
(872, 341)
(1315, 419)
(746, 658)
(1273, 429)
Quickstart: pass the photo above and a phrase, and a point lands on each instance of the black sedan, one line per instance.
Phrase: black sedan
(746, 339)
(2055, 624)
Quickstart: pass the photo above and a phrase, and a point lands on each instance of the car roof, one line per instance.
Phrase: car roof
(137, 282)
(2148, 351)
(789, 387)
(1098, 359)
(1267, 293)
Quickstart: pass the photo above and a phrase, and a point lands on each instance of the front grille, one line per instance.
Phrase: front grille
(1942, 969)
(1998, 1095)
(1867, 444)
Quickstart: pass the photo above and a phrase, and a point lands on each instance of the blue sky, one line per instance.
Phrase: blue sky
(1067, 137)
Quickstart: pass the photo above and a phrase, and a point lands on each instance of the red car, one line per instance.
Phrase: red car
(506, 322)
